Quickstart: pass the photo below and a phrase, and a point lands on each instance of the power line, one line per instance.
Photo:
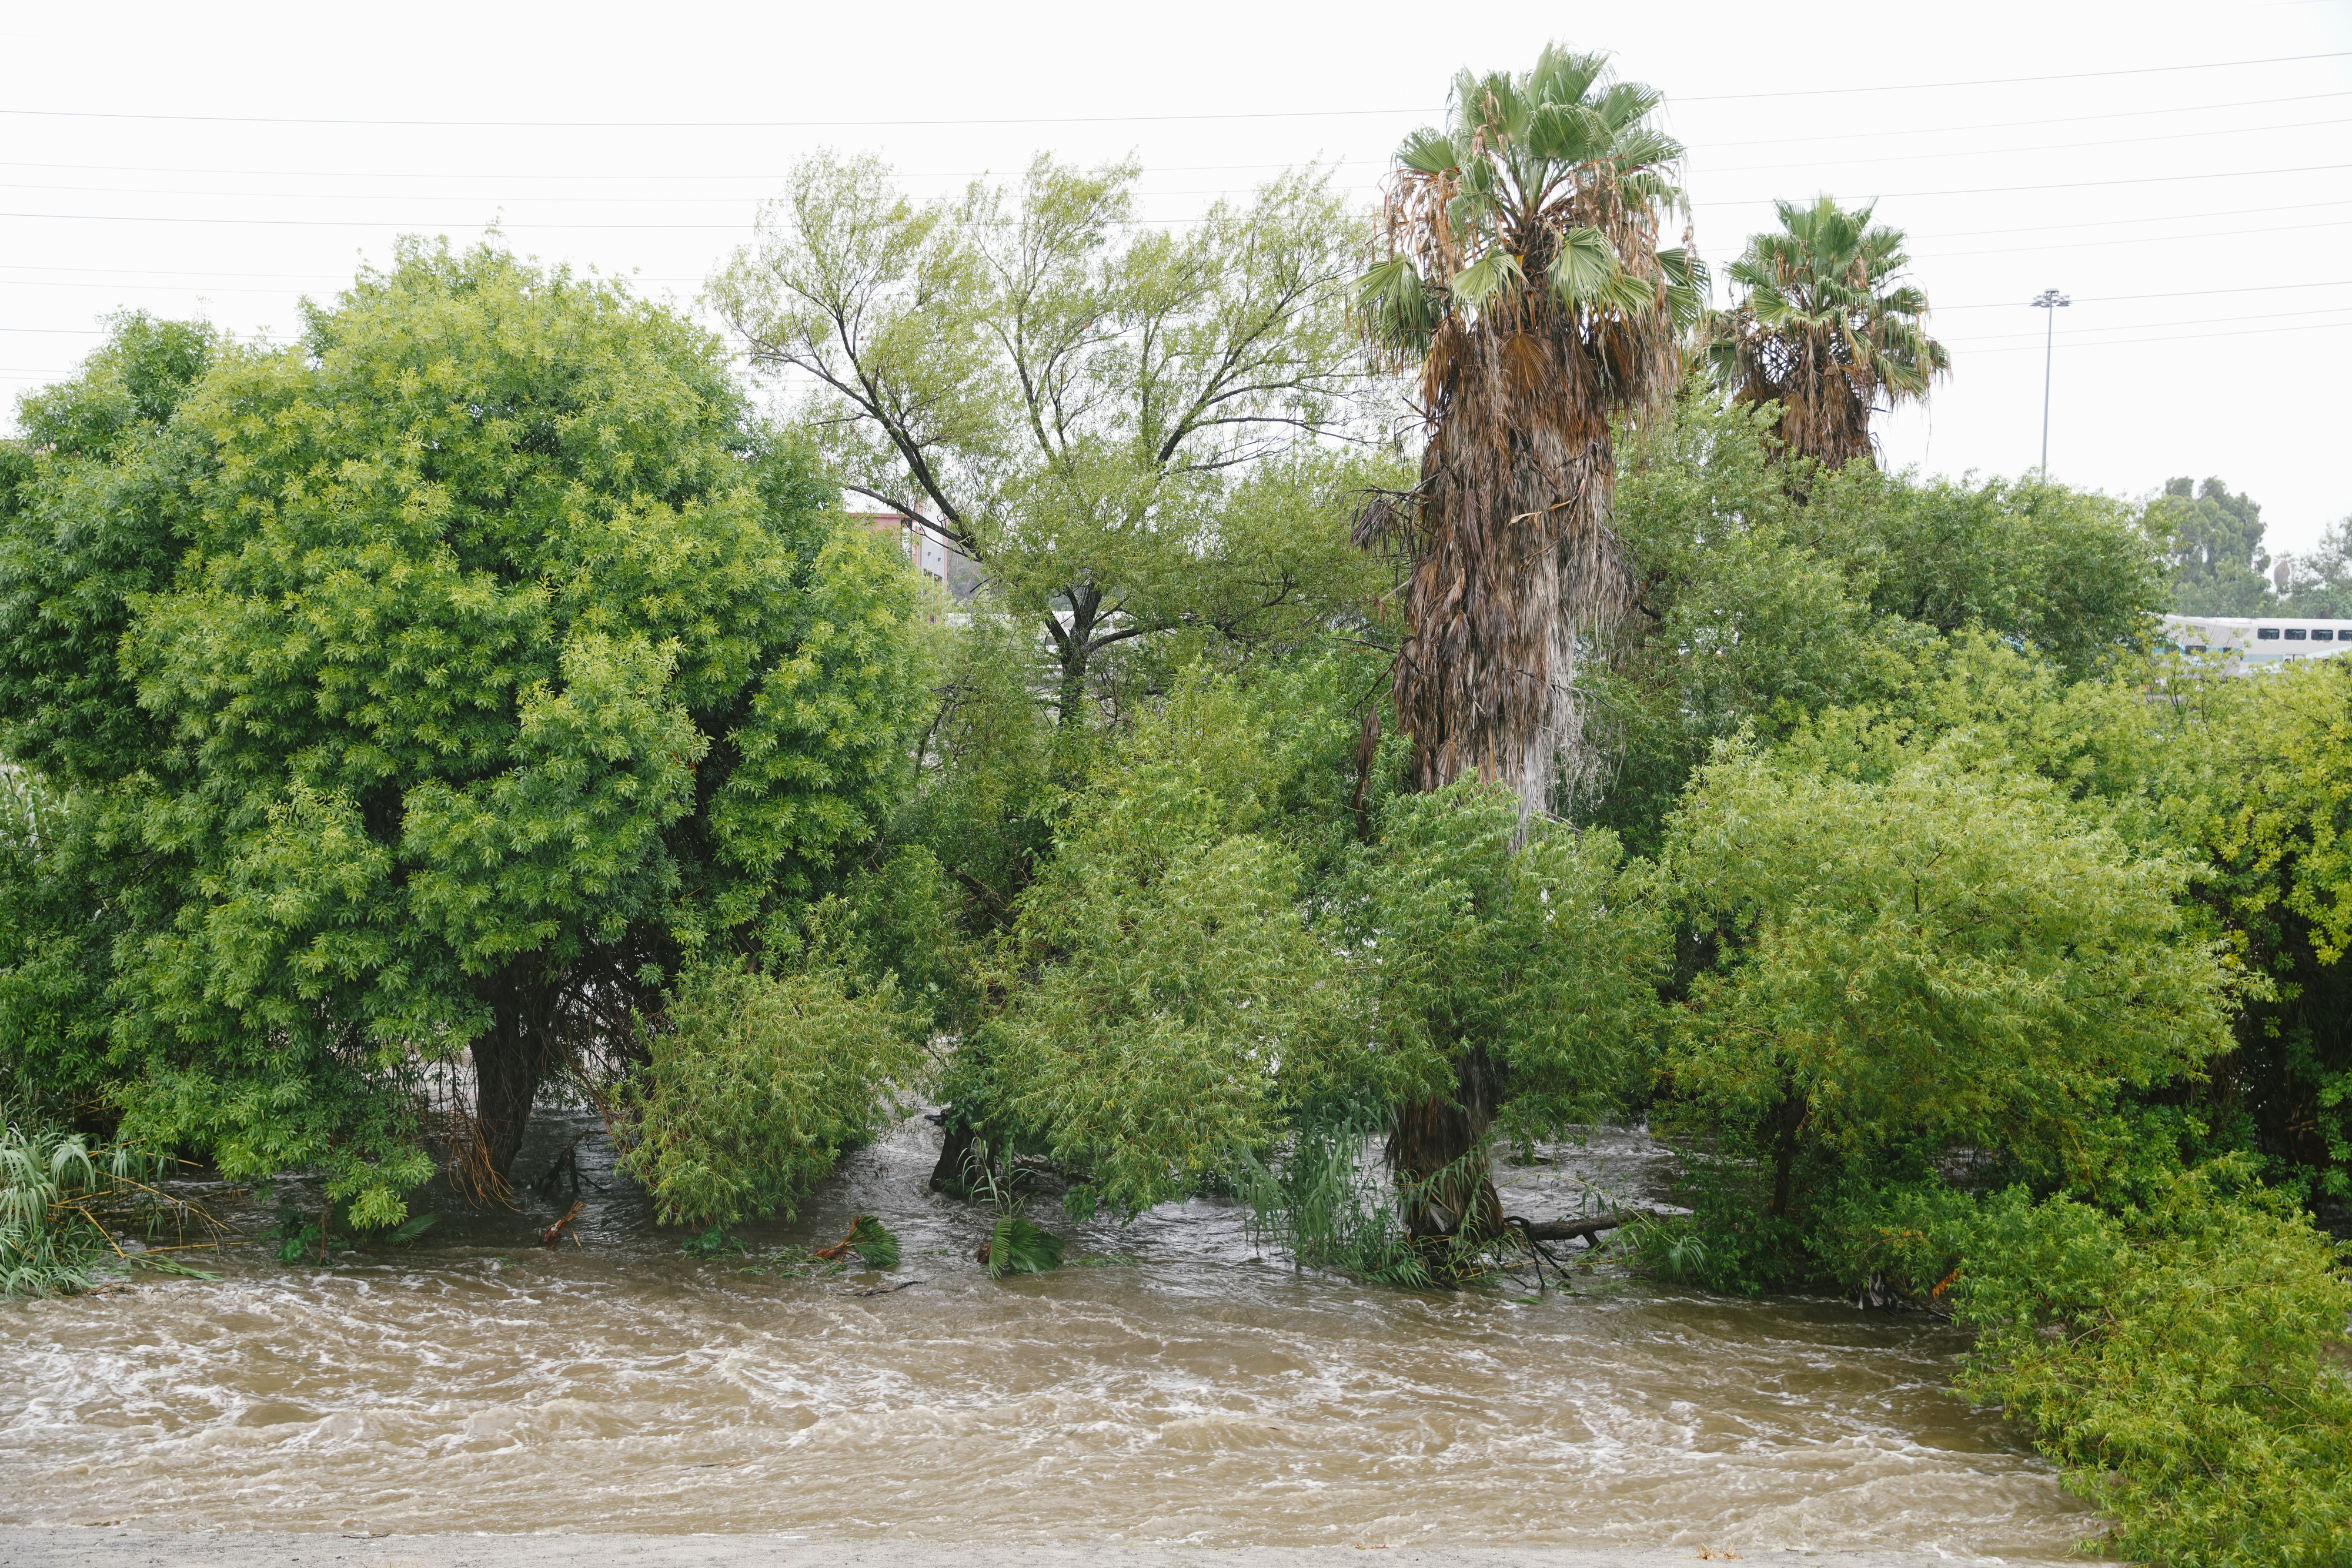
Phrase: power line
(2170, 338)
(1874, 134)
(2133, 239)
(1880, 133)
(2066, 186)
(2079, 334)
(1358, 162)
(1099, 118)
(1148, 222)
(335, 279)
(2119, 223)
(2007, 81)
(2001, 151)
(2181, 293)
(1999, 305)
(29, 373)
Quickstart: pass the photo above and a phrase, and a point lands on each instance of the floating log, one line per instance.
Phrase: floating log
(1569, 1229)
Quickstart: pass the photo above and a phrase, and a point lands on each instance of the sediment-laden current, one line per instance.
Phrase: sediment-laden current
(1187, 1387)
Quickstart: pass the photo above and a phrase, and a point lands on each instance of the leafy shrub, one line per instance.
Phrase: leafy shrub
(2182, 1358)
(754, 1085)
(1324, 1203)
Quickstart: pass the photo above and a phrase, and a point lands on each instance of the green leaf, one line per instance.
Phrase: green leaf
(413, 1227)
(1017, 1247)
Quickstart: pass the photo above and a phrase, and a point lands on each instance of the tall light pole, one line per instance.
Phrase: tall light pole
(2050, 301)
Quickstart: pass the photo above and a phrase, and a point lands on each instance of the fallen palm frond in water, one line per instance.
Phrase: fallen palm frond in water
(1017, 1247)
(871, 1239)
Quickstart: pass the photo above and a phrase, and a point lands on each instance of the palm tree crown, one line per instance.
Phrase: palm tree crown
(1521, 274)
(1823, 330)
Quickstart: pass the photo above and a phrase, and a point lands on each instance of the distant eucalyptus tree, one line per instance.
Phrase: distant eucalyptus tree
(1823, 330)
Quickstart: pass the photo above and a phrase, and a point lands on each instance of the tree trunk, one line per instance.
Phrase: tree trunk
(511, 1060)
(953, 1174)
(1074, 646)
(1786, 1123)
(1436, 1158)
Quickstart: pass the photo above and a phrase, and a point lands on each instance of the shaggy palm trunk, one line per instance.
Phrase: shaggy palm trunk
(1824, 415)
(1436, 1154)
(1514, 560)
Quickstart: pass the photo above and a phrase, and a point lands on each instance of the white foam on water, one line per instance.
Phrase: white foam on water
(1208, 1395)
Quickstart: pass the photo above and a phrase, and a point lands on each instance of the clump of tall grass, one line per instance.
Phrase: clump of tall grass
(1325, 1200)
(57, 1197)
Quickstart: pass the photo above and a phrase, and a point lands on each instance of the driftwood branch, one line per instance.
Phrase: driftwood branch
(1568, 1230)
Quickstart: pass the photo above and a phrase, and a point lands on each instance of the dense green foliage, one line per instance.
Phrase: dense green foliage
(444, 681)
(753, 1084)
(1951, 957)
(2262, 788)
(475, 693)
(2177, 1346)
(1757, 610)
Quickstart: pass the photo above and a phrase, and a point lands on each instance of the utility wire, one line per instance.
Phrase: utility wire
(2002, 151)
(1924, 256)
(2170, 338)
(1874, 134)
(1140, 223)
(1992, 305)
(749, 179)
(2065, 185)
(2181, 293)
(331, 281)
(1103, 119)
(2078, 334)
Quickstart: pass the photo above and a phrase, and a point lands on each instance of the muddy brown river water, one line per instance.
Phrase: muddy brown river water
(1197, 1391)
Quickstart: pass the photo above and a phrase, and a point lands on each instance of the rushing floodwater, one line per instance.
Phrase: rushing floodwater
(1203, 1393)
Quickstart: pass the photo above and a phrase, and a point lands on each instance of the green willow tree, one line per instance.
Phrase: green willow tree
(1934, 951)
(1116, 420)
(490, 664)
(1825, 331)
(1525, 282)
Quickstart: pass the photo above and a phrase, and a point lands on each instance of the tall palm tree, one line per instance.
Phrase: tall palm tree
(1823, 330)
(1523, 277)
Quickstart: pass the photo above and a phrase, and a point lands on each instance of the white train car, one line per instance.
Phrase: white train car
(2250, 643)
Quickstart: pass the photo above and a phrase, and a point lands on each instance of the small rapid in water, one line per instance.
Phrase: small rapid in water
(1188, 1388)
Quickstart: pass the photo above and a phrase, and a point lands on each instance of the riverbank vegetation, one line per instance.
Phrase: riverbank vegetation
(1434, 687)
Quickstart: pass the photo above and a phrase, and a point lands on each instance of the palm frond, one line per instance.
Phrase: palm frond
(1824, 329)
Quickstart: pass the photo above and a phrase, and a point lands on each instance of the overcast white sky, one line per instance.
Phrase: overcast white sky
(209, 160)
